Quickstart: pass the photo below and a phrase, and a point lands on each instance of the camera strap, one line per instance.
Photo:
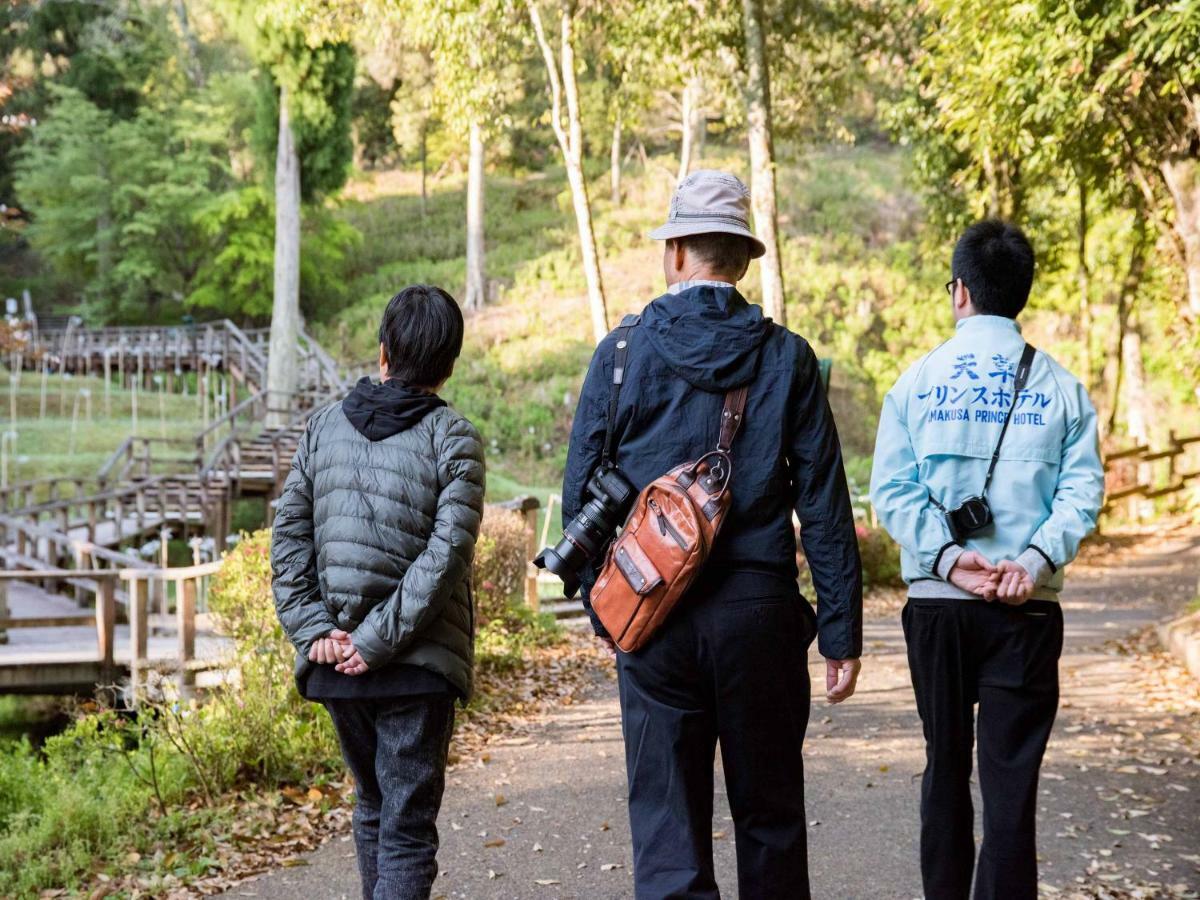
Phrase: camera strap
(1019, 382)
(620, 356)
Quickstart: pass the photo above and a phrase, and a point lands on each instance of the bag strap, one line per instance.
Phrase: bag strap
(620, 355)
(731, 417)
(1019, 383)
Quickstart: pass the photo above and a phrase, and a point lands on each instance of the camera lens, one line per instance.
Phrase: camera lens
(584, 536)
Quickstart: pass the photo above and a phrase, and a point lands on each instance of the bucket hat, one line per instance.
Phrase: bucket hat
(708, 201)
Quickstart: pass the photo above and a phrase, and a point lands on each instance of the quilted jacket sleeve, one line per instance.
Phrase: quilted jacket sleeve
(446, 560)
(294, 558)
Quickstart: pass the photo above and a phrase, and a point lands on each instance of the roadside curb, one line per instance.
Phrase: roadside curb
(1182, 637)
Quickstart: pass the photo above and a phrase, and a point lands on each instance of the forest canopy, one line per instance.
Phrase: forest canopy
(517, 151)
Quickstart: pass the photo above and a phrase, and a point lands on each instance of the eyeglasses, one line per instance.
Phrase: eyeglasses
(950, 287)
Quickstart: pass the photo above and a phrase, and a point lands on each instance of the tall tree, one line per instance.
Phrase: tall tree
(311, 69)
(470, 43)
(757, 88)
(563, 78)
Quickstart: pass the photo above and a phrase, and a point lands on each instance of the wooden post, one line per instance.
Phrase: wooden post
(185, 611)
(106, 622)
(139, 590)
(3, 610)
(83, 560)
(532, 598)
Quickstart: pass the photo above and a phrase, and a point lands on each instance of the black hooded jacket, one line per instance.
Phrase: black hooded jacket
(687, 350)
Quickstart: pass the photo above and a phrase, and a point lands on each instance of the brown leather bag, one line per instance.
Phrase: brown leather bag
(668, 536)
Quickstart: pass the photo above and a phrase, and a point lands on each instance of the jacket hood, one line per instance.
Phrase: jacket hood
(380, 410)
(709, 336)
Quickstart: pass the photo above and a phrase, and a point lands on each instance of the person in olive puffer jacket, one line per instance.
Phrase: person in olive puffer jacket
(371, 553)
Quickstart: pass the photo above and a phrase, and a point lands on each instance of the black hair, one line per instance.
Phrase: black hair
(994, 259)
(422, 335)
(727, 254)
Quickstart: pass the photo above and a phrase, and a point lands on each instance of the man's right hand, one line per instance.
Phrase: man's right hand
(610, 646)
(975, 573)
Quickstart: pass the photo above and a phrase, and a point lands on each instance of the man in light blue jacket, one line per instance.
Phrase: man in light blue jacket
(987, 473)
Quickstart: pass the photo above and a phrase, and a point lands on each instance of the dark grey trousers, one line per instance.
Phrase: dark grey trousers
(396, 750)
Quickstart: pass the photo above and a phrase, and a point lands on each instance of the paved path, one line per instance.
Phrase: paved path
(542, 814)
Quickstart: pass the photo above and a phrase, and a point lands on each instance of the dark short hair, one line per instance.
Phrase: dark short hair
(422, 335)
(728, 254)
(994, 259)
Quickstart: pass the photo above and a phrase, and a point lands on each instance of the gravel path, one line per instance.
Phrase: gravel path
(542, 814)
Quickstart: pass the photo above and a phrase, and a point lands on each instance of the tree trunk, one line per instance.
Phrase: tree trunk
(1083, 277)
(614, 176)
(424, 170)
(570, 141)
(685, 129)
(195, 69)
(1134, 382)
(476, 279)
(762, 160)
(282, 363)
(1128, 293)
(1182, 176)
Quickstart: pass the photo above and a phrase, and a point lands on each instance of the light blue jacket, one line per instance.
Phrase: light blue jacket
(937, 431)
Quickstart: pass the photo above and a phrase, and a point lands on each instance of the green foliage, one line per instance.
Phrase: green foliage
(116, 201)
(237, 280)
(258, 727)
(320, 82)
(504, 643)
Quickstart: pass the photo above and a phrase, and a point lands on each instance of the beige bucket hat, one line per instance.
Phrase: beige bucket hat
(708, 201)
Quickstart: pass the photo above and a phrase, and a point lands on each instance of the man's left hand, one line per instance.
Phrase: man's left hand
(1015, 585)
(841, 676)
(352, 662)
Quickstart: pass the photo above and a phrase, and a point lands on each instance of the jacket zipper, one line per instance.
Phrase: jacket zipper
(665, 526)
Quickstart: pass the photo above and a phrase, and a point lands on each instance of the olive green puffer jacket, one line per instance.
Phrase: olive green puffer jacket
(376, 538)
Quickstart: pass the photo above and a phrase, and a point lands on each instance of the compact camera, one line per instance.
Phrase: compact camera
(971, 517)
(585, 536)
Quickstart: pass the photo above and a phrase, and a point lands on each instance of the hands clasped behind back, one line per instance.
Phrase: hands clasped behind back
(1006, 581)
(337, 649)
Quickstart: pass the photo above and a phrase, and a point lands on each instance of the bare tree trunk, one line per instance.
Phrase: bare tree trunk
(685, 130)
(476, 279)
(570, 141)
(1083, 277)
(1182, 176)
(762, 160)
(282, 363)
(1128, 293)
(614, 176)
(1135, 382)
(424, 170)
(195, 70)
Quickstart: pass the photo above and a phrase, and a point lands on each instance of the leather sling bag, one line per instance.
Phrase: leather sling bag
(670, 530)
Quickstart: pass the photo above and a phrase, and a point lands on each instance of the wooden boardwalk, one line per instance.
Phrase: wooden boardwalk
(79, 606)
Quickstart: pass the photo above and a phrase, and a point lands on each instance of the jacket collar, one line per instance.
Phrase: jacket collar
(981, 323)
(680, 286)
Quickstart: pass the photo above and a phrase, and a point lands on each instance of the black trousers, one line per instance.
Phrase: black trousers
(731, 668)
(396, 750)
(1005, 658)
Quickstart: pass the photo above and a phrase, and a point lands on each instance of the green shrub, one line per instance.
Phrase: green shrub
(880, 557)
(500, 564)
(257, 727)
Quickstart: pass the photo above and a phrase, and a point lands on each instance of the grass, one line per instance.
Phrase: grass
(73, 440)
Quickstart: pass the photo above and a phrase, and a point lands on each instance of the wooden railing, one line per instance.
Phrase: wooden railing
(190, 586)
(1130, 473)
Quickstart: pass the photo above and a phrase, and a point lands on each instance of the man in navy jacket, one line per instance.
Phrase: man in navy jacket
(730, 665)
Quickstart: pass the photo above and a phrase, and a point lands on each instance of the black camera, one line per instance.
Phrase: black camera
(585, 536)
(972, 516)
